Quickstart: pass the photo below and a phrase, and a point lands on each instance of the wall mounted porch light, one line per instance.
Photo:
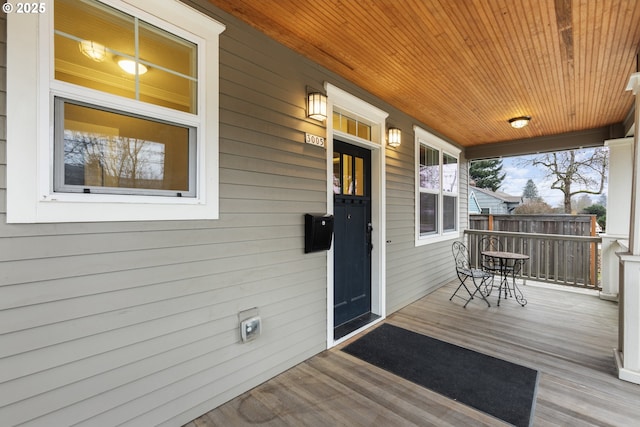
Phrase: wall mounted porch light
(394, 137)
(93, 50)
(519, 122)
(317, 106)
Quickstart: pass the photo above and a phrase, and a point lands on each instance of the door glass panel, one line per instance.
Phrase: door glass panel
(347, 174)
(359, 176)
(336, 173)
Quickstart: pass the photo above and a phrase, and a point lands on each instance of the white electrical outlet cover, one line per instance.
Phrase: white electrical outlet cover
(250, 328)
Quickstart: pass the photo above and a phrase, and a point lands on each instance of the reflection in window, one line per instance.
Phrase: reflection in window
(429, 168)
(91, 39)
(428, 213)
(347, 174)
(337, 187)
(449, 217)
(437, 188)
(121, 152)
(449, 174)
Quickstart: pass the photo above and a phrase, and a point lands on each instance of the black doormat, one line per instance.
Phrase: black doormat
(494, 386)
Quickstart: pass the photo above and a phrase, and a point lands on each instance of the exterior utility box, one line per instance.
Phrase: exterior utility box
(318, 232)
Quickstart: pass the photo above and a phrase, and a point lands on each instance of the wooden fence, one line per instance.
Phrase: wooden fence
(566, 225)
(562, 249)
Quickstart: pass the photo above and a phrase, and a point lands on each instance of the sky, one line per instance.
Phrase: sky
(518, 175)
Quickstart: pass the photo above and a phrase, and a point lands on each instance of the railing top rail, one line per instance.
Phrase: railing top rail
(594, 239)
(578, 217)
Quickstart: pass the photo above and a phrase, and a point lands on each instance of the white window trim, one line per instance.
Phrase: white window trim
(427, 138)
(30, 196)
(340, 100)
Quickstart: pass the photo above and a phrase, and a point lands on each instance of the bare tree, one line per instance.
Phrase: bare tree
(574, 172)
(115, 161)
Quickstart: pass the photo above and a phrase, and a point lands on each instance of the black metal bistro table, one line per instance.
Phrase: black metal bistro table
(508, 264)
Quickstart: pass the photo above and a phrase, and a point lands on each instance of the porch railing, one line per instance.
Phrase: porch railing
(553, 258)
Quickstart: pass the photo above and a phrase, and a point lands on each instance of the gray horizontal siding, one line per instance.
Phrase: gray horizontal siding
(137, 322)
(126, 319)
(413, 272)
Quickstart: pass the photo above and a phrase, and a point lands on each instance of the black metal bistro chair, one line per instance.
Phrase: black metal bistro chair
(492, 244)
(479, 278)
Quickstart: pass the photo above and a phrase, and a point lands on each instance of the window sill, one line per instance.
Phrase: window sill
(101, 208)
(427, 240)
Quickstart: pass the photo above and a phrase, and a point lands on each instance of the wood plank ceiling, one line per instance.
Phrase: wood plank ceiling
(464, 67)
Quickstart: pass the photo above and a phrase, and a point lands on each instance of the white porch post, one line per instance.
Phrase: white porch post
(628, 353)
(618, 214)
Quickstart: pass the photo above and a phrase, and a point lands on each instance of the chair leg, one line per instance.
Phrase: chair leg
(488, 287)
(462, 285)
(471, 294)
(455, 292)
(478, 290)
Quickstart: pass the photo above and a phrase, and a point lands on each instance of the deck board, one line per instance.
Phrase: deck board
(568, 336)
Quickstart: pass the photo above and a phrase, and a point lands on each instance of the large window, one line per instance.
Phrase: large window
(437, 176)
(125, 105)
(102, 151)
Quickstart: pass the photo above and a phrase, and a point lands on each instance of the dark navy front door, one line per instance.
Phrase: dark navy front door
(352, 232)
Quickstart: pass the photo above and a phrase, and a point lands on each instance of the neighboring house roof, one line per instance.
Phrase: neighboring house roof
(474, 206)
(508, 198)
(495, 202)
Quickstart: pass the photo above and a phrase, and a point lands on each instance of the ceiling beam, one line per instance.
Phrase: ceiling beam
(566, 141)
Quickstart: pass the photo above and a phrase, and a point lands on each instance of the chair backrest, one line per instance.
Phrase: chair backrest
(490, 243)
(460, 255)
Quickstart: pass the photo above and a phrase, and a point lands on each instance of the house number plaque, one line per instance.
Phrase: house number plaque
(314, 139)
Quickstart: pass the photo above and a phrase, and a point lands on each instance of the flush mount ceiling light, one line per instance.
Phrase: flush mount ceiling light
(394, 137)
(93, 50)
(519, 122)
(317, 106)
(129, 66)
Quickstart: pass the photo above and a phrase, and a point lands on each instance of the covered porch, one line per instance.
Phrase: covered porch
(567, 335)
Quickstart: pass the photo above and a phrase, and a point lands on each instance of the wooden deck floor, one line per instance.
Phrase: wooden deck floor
(569, 337)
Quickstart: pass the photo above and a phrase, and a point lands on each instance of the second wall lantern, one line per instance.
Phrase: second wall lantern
(394, 137)
(317, 106)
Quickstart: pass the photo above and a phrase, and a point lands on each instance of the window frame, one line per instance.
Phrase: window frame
(30, 117)
(424, 138)
(59, 184)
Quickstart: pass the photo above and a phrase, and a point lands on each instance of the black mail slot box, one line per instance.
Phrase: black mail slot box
(318, 231)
